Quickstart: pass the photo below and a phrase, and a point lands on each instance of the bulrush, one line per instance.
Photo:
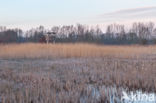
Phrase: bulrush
(72, 75)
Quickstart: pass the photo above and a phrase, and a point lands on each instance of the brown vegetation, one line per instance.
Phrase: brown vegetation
(73, 80)
(31, 50)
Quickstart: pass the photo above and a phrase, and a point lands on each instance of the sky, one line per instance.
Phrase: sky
(31, 13)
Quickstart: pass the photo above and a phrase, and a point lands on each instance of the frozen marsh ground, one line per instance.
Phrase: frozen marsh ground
(75, 73)
(70, 79)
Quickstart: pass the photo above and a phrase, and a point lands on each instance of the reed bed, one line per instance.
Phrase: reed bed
(74, 73)
(30, 50)
(74, 80)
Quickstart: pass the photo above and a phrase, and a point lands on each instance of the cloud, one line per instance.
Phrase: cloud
(135, 14)
(126, 17)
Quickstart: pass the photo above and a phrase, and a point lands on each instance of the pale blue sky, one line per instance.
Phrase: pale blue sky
(29, 13)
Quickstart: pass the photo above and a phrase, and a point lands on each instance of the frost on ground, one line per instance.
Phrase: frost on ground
(74, 80)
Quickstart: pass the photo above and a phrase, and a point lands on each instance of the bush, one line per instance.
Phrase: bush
(143, 41)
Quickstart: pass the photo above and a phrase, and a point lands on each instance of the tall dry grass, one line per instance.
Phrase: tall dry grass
(69, 80)
(31, 50)
(75, 81)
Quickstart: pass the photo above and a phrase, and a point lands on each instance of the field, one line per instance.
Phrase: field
(44, 51)
(74, 73)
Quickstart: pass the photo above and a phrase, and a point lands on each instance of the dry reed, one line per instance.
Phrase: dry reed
(31, 50)
(67, 80)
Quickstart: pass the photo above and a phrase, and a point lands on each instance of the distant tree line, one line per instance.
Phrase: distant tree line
(139, 33)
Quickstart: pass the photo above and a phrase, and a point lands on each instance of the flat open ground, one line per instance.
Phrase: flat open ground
(57, 73)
